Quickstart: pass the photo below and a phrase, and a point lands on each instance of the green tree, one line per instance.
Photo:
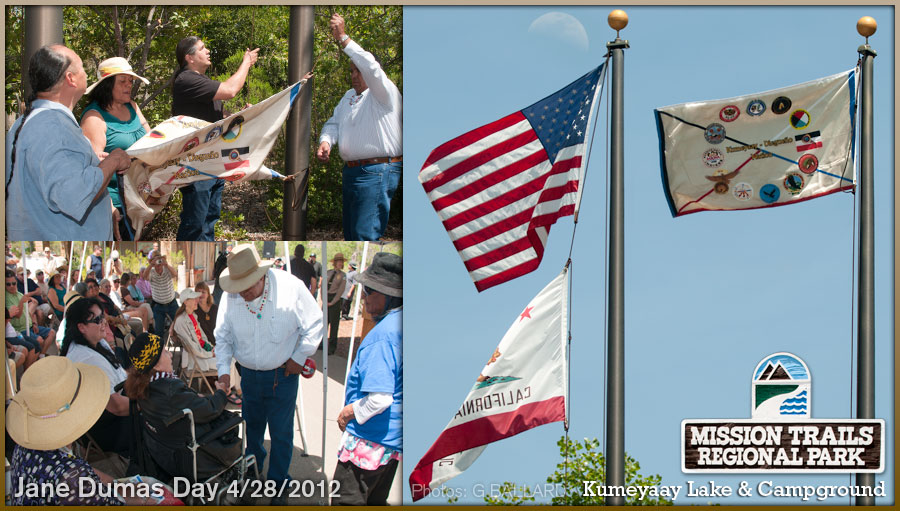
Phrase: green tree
(585, 463)
(146, 35)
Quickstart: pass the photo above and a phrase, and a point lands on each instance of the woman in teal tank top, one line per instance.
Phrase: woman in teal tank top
(112, 120)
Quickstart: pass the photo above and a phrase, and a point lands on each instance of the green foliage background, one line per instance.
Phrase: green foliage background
(146, 35)
(585, 463)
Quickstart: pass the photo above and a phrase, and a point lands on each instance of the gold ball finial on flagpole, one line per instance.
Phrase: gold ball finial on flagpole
(866, 26)
(617, 20)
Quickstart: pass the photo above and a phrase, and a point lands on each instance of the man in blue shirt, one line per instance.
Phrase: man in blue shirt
(56, 185)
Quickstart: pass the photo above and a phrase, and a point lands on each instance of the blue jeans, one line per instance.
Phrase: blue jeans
(160, 310)
(367, 191)
(201, 205)
(269, 397)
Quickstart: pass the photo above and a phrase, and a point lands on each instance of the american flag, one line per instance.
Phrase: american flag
(498, 188)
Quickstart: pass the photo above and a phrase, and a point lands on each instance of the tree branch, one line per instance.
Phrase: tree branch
(120, 44)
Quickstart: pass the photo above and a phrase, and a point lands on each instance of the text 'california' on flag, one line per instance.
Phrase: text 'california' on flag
(522, 386)
(498, 188)
(759, 150)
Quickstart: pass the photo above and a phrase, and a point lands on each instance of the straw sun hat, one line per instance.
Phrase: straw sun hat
(59, 401)
(112, 67)
(244, 269)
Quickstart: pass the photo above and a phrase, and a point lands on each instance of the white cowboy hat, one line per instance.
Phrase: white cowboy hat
(111, 67)
(244, 269)
(59, 401)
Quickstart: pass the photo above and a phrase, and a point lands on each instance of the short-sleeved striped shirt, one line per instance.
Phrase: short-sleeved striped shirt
(161, 285)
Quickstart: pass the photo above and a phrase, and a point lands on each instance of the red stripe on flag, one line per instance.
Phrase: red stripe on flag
(807, 147)
(479, 159)
(502, 252)
(507, 275)
(483, 431)
(510, 222)
(237, 165)
(511, 196)
(450, 147)
(490, 180)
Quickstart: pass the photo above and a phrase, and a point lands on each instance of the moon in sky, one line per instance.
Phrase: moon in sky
(562, 26)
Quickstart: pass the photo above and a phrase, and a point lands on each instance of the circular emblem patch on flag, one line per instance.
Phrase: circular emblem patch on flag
(192, 143)
(715, 133)
(742, 191)
(713, 158)
(769, 193)
(756, 107)
(800, 119)
(808, 163)
(729, 113)
(793, 183)
(213, 133)
(781, 105)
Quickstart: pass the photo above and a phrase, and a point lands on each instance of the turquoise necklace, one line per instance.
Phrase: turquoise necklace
(262, 304)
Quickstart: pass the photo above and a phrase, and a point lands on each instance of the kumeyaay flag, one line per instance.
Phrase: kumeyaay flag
(182, 150)
(522, 386)
(760, 150)
(497, 189)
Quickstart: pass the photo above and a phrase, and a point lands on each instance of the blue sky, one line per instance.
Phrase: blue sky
(707, 296)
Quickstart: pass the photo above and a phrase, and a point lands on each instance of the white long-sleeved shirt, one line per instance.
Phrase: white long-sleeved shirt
(290, 327)
(367, 125)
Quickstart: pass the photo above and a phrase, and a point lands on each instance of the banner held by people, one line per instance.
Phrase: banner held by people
(522, 386)
(182, 150)
(497, 189)
(759, 150)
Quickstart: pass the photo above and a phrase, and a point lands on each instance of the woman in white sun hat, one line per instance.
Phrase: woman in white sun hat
(191, 334)
(113, 120)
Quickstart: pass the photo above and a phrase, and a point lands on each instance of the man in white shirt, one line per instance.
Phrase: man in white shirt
(367, 125)
(270, 323)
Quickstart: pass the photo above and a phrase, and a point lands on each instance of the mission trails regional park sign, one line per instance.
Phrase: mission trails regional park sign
(781, 436)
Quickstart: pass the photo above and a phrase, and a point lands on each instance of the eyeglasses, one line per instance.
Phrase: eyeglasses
(98, 320)
(367, 290)
(10, 283)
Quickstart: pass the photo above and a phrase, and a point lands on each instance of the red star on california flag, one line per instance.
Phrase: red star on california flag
(526, 313)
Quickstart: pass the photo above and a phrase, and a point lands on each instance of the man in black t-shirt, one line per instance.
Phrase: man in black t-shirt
(196, 95)
(302, 269)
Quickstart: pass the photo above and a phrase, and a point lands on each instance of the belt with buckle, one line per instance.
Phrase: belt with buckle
(372, 161)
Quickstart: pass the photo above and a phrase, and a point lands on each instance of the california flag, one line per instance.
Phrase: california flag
(760, 150)
(182, 150)
(521, 387)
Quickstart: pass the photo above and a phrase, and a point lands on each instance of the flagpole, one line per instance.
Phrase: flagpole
(865, 372)
(615, 374)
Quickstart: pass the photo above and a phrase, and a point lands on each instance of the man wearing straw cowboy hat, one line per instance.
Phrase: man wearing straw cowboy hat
(270, 324)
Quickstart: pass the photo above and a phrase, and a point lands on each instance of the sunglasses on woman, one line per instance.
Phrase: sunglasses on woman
(97, 320)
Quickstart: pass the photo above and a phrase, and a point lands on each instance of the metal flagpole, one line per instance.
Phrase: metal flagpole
(81, 272)
(71, 264)
(615, 375)
(865, 371)
(324, 288)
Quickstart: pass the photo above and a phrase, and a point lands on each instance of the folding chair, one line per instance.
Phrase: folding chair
(192, 371)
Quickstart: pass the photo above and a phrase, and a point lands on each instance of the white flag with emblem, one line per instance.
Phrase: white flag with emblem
(522, 386)
(760, 150)
(182, 150)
